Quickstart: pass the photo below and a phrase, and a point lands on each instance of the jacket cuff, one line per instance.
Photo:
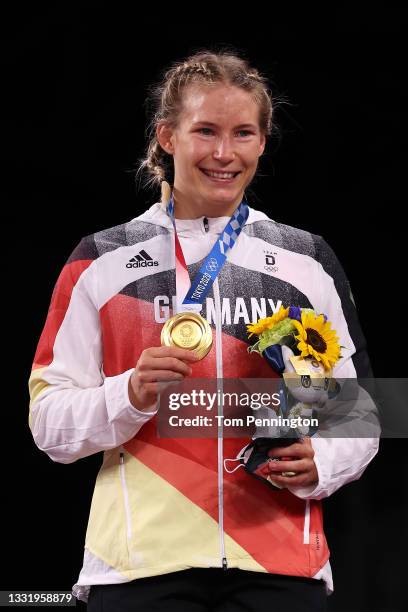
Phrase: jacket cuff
(314, 491)
(338, 462)
(118, 404)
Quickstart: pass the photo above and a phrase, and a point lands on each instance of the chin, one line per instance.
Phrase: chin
(222, 202)
(223, 195)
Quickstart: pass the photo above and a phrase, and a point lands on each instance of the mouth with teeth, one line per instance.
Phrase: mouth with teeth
(219, 177)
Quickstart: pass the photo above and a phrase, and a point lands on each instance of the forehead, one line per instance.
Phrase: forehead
(221, 104)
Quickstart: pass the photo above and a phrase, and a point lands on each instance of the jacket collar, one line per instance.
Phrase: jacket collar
(157, 215)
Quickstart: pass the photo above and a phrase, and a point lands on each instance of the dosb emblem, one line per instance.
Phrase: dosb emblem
(270, 262)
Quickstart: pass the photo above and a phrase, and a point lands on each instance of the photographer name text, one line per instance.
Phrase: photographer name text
(247, 421)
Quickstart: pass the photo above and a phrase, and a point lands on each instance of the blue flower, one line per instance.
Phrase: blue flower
(295, 313)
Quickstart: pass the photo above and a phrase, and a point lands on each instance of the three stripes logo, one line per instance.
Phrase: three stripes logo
(141, 260)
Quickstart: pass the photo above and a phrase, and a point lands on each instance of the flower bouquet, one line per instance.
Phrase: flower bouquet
(308, 335)
(301, 346)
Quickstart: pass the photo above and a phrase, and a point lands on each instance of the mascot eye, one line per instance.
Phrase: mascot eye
(305, 380)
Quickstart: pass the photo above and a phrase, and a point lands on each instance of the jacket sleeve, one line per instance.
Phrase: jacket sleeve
(75, 410)
(344, 450)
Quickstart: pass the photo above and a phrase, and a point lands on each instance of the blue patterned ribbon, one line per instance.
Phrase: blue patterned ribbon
(214, 261)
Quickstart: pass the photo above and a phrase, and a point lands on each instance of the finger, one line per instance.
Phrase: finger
(291, 481)
(167, 363)
(173, 351)
(159, 376)
(294, 450)
(282, 450)
(302, 465)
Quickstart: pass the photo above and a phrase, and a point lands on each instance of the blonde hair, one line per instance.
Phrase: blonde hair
(167, 96)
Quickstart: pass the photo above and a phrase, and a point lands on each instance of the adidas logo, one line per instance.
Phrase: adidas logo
(141, 260)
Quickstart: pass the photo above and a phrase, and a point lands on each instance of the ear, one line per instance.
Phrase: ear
(164, 135)
(262, 144)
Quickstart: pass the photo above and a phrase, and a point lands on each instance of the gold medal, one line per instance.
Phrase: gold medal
(188, 330)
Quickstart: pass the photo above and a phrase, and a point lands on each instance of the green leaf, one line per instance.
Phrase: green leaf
(276, 334)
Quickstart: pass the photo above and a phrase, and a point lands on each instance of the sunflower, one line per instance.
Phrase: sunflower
(316, 338)
(267, 323)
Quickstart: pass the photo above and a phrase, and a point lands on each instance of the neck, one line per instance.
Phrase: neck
(185, 208)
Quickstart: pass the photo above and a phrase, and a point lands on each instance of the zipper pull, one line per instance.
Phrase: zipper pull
(121, 458)
(224, 563)
(206, 225)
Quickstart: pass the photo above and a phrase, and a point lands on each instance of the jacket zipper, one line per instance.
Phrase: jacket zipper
(306, 524)
(125, 494)
(218, 356)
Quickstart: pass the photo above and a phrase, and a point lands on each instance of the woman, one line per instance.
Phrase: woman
(167, 522)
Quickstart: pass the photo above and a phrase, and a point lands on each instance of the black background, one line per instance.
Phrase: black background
(74, 82)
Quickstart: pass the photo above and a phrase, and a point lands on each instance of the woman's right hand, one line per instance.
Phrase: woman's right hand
(157, 364)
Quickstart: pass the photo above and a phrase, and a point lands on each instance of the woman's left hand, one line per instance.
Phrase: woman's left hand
(301, 462)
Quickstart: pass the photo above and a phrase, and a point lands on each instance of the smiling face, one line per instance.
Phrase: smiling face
(215, 146)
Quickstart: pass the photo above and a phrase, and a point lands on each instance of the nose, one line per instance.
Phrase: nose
(223, 150)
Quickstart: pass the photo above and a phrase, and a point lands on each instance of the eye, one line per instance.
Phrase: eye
(205, 130)
(244, 132)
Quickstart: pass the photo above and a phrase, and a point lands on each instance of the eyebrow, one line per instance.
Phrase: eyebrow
(242, 125)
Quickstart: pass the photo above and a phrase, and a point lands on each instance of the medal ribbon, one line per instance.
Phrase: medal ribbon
(196, 291)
